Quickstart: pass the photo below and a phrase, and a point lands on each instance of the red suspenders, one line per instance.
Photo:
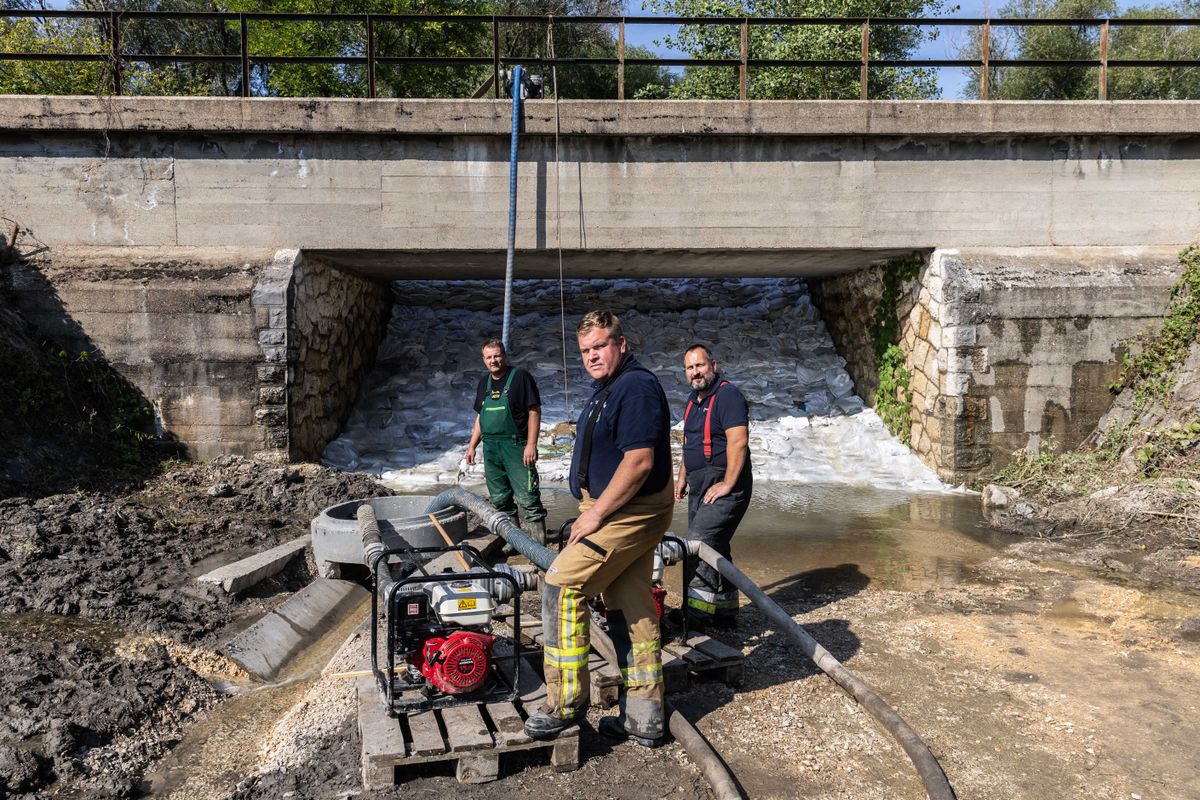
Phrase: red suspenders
(707, 421)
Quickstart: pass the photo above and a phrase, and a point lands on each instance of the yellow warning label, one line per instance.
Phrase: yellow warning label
(466, 603)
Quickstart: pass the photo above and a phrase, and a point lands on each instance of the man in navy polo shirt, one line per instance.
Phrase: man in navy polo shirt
(715, 475)
(621, 474)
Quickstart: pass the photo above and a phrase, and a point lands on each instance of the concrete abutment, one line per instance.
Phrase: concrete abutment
(1008, 348)
(251, 353)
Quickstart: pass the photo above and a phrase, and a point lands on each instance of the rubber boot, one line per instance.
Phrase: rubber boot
(536, 530)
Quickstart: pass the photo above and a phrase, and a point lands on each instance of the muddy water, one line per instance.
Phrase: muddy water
(798, 536)
(225, 746)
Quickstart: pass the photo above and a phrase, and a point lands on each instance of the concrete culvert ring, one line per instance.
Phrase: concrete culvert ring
(402, 523)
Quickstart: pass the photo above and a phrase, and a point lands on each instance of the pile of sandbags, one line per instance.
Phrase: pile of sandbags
(413, 420)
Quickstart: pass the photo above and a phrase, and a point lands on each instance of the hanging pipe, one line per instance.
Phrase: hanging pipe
(693, 742)
(512, 201)
(937, 786)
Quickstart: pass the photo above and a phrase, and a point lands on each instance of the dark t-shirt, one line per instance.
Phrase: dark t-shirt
(522, 395)
(729, 412)
(634, 415)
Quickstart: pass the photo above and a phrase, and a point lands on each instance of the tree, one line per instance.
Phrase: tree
(332, 39)
(801, 42)
(1082, 42)
(51, 37)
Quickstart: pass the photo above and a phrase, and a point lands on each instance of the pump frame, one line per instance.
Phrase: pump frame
(387, 678)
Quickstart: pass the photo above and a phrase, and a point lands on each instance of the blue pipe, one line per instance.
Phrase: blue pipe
(512, 201)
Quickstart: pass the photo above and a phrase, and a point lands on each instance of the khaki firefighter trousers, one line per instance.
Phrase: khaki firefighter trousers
(616, 562)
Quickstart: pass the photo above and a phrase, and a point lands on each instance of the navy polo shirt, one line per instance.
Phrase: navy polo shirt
(634, 415)
(729, 412)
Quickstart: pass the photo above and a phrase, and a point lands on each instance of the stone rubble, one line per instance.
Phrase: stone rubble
(411, 424)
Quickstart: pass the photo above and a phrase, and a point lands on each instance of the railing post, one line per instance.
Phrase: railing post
(1104, 61)
(743, 72)
(985, 46)
(370, 56)
(114, 40)
(245, 36)
(621, 59)
(862, 70)
(496, 58)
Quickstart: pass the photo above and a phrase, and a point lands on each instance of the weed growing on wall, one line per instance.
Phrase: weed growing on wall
(893, 398)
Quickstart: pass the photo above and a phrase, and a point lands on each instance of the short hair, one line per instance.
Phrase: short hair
(601, 318)
(493, 343)
(697, 346)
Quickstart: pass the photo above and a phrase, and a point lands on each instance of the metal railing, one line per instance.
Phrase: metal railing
(115, 57)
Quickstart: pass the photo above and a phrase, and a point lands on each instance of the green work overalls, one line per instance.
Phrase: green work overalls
(504, 457)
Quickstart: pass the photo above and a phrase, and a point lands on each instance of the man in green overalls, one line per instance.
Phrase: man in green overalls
(508, 411)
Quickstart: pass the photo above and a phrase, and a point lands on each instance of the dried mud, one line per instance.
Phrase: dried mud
(105, 633)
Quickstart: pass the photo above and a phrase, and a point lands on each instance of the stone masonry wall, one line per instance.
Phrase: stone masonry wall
(1008, 348)
(848, 304)
(337, 322)
(182, 326)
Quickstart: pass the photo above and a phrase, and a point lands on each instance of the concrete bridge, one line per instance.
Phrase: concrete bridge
(229, 255)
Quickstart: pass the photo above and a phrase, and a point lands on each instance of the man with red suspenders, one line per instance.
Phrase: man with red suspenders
(715, 475)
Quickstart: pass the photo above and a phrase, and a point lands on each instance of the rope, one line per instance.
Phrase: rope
(562, 305)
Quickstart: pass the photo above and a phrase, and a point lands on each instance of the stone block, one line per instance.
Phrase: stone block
(272, 395)
(271, 416)
(958, 336)
(272, 336)
(271, 373)
(269, 294)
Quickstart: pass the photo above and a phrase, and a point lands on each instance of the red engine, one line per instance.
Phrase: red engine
(458, 663)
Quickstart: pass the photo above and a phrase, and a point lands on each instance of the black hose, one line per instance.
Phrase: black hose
(373, 546)
(495, 522)
(696, 746)
(937, 786)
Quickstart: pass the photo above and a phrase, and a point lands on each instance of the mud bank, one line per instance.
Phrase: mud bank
(106, 637)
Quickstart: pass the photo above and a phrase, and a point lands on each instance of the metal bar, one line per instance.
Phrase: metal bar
(985, 46)
(114, 37)
(621, 60)
(1103, 77)
(245, 54)
(496, 57)
(743, 70)
(612, 20)
(863, 70)
(370, 57)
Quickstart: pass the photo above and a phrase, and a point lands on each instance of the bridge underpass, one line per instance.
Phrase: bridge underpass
(230, 257)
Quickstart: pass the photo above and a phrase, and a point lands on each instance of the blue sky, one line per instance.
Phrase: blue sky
(951, 81)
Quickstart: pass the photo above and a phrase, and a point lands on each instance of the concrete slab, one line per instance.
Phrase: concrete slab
(264, 647)
(241, 575)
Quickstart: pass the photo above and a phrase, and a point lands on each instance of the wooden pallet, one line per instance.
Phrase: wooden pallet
(701, 657)
(472, 735)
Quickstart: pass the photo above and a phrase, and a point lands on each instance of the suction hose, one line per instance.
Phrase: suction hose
(693, 742)
(937, 786)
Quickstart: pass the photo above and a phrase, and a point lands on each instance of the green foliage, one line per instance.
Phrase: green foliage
(1062, 42)
(88, 389)
(1165, 446)
(52, 37)
(333, 39)
(1051, 475)
(1156, 355)
(893, 397)
(800, 42)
